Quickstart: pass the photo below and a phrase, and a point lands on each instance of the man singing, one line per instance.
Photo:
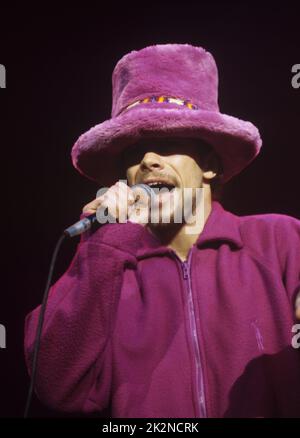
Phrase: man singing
(172, 318)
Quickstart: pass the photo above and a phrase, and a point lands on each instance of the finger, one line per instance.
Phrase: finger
(123, 197)
(108, 209)
(123, 201)
(130, 196)
(125, 189)
(91, 206)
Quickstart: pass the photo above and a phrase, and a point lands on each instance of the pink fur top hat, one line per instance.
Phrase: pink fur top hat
(168, 90)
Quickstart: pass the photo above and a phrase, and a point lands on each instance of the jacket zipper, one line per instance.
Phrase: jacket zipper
(186, 269)
(258, 335)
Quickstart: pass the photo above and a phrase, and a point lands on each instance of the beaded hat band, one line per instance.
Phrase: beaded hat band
(162, 99)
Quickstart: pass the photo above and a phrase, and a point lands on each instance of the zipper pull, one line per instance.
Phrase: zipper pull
(185, 270)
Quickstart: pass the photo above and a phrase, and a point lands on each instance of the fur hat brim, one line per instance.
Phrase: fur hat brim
(96, 153)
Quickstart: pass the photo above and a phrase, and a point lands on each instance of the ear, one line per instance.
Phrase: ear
(209, 175)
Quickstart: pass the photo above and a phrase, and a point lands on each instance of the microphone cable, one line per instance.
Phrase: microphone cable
(40, 324)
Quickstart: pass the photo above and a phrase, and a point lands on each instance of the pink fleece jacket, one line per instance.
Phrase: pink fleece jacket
(131, 327)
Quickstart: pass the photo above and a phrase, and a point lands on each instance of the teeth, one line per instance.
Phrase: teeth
(159, 183)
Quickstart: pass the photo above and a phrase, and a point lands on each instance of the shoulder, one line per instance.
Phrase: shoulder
(272, 225)
(271, 236)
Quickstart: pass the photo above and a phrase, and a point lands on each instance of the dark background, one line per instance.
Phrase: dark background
(59, 64)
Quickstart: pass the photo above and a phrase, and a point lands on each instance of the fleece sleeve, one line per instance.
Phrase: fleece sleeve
(74, 358)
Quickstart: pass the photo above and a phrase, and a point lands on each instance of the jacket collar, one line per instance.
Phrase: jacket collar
(221, 226)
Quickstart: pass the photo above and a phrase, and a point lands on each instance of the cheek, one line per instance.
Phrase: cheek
(189, 172)
(130, 174)
(196, 176)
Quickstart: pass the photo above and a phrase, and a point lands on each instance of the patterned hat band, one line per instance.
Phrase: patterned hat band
(162, 99)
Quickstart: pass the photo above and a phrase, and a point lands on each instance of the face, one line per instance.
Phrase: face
(175, 164)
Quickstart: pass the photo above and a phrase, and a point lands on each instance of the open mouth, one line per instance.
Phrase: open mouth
(157, 186)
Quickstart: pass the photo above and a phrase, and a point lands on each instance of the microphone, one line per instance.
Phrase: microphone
(91, 220)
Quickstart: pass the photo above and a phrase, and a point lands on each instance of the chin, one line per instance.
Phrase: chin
(169, 220)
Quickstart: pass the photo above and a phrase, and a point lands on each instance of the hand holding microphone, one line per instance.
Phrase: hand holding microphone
(119, 203)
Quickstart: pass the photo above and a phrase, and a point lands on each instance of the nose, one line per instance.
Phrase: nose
(151, 161)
